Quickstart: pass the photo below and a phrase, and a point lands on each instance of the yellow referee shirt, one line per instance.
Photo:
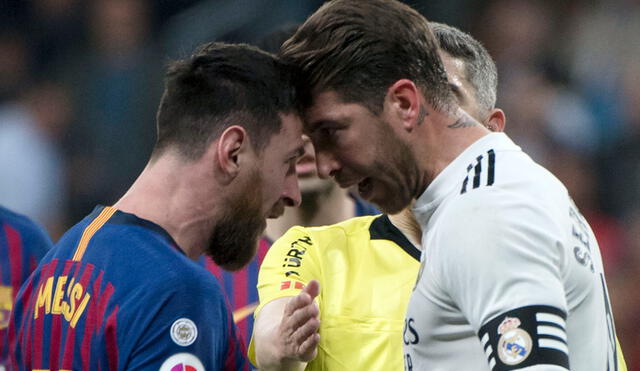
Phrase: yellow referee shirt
(366, 268)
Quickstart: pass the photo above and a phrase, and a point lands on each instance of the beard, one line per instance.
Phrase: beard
(398, 173)
(234, 240)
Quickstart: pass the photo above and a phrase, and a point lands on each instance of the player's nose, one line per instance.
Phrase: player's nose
(291, 191)
(326, 164)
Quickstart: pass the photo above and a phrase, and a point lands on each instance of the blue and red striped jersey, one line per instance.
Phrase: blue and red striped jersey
(22, 244)
(116, 293)
(240, 288)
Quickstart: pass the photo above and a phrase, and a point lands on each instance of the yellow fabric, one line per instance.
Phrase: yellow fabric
(622, 365)
(365, 287)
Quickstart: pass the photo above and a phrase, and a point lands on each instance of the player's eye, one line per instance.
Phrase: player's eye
(327, 132)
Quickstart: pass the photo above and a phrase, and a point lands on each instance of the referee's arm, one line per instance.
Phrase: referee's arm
(285, 332)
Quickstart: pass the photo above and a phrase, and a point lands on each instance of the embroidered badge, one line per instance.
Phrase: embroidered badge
(515, 343)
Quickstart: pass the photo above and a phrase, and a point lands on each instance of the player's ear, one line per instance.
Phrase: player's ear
(229, 147)
(496, 120)
(404, 102)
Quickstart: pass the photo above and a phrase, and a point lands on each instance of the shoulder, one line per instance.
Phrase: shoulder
(137, 253)
(515, 191)
(31, 233)
(320, 236)
(347, 228)
(494, 223)
(19, 221)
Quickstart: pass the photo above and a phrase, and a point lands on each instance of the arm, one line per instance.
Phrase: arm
(198, 332)
(286, 331)
(504, 273)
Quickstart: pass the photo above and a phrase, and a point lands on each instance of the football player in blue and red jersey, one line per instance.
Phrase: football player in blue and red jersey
(22, 244)
(323, 203)
(121, 290)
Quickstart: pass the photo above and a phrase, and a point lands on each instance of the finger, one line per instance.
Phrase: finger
(299, 301)
(302, 315)
(312, 288)
(309, 348)
(305, 330)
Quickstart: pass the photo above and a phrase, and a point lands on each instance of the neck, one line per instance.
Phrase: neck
(164, 194)
(443, 139)
(407, 224)
(322, 208)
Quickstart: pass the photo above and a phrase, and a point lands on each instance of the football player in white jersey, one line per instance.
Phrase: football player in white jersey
(512, 276)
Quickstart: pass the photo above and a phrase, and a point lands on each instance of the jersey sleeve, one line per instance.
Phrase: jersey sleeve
(292, 261)
(501, 266)
(191, 326)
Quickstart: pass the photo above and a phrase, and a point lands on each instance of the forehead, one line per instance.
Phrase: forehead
(328, 107)
(289, 139)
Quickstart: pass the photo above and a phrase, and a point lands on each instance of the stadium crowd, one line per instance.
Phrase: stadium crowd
(80, 81)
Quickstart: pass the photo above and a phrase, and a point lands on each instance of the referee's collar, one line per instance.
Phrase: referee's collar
(451, 177)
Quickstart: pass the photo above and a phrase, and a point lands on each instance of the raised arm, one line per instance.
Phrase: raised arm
(286, 331)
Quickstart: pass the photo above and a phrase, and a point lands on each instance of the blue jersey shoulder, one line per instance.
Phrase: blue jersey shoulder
(165, 303)
(35, 240)
(137, 252)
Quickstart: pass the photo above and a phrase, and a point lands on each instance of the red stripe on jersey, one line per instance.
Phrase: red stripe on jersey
(213, 268)
(241, 297)
(90, 323)
(263, 248)
(68, 353)
(55, 340)
(12, 334)
(39, 322)
(111, 338)
(15, 257)
(105, 296)
(230, 361)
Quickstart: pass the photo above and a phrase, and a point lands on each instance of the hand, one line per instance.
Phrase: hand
(298, 329)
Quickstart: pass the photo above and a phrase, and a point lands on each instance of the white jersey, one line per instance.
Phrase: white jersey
(511, 275)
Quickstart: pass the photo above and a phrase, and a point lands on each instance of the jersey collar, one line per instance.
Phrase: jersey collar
(121, 217)
(451, 177)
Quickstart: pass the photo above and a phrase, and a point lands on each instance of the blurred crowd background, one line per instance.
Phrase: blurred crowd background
(80, 81)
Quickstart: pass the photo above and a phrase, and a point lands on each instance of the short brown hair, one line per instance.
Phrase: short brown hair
(222, 85)
(359, 48)
(480, 69)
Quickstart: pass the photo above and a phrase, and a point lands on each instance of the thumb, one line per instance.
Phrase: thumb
(312, 288)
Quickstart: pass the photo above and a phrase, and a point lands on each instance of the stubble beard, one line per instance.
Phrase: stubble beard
(398, 165)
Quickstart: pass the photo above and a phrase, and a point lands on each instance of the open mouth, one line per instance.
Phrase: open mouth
(365, 187)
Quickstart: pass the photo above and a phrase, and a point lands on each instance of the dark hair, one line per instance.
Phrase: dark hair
(222, 85)
(359, 48)
(480, 69)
